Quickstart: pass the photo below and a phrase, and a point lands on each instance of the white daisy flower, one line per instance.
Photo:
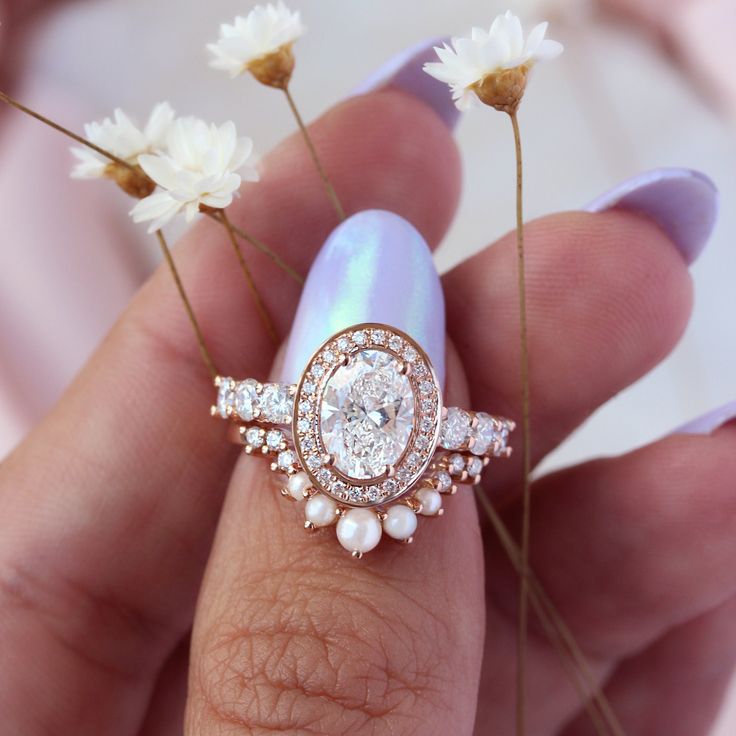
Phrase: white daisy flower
(124, 139)
(260, 43)
(202, 168)
(469, 64)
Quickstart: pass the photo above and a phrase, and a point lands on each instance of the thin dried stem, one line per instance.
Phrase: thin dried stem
(313, 152)
(78, 138)
(577, 667)
(260, 306)
(206, 357)
(260, 245)
(526, 439)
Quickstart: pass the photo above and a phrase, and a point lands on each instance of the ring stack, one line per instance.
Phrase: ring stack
(363, 439)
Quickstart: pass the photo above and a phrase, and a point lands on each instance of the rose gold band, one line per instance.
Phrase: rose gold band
(363, 436)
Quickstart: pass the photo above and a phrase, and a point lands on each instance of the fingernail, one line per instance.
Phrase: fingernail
(709, 422)
(683, 202)
(404, 72)
(374, 267)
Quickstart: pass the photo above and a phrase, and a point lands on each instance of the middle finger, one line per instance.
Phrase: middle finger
(608, 296)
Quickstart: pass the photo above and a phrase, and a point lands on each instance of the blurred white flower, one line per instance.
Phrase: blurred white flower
(266, 33)
(124, 139)
(469, 62)
(199, 170)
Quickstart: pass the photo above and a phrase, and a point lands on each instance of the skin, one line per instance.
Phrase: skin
(152, 581)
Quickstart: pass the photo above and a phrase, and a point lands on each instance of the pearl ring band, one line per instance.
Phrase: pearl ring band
(363, 438)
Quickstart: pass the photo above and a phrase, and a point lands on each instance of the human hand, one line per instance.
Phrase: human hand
(114, 505)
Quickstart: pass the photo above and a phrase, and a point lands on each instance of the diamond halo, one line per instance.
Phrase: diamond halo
(368, 415)
(363, 439)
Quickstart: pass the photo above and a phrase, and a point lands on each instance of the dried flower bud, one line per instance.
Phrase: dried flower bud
(132, 180)
(275, 69)
(503, 89)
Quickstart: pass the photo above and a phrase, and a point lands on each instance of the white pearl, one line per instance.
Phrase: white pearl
(359, 530)
(320, 510)
(431, 501)
(400, 522)
(297, 484)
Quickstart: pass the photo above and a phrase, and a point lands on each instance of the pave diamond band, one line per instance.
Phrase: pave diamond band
(476, 432)
(364, 430)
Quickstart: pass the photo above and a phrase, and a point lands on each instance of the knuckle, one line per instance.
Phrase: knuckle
(305, 653)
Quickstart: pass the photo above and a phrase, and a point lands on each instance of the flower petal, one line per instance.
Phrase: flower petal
(158, 207)
(549, 50)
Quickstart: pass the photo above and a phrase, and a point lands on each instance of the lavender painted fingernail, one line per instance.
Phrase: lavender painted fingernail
(404, 72)
(374, 267)
(683, 202)
(709, 422)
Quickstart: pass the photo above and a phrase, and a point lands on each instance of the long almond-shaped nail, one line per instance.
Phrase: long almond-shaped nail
(683, 202)
(404, 72)
(374, 267)
(709, 422)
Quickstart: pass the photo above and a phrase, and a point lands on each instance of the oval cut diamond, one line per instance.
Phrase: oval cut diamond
(367, 414)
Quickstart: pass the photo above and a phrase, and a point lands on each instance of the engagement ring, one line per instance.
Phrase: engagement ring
(364, 437)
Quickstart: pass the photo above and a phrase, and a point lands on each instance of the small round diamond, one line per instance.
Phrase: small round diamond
(318, 370)
(225, 396)
(379, 337)
(475, 466)
(444, 481)
(274, 438)
(359, 337)
(485, 434)
(395, 343)
(324, 477)
(456, 464)
(410, 354)
(305, 406)
(277, 404)
(502, 438)
(343, 344)
(404, 475)
(246, 399)
(420, 369)
(422, 442)
(455, 429)
(308, 387)
(328, 356)
(426, 387)
(314, 462)
(254, 437)
(303, 424)
(286, 459)
(390, 487)
(427, 405)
